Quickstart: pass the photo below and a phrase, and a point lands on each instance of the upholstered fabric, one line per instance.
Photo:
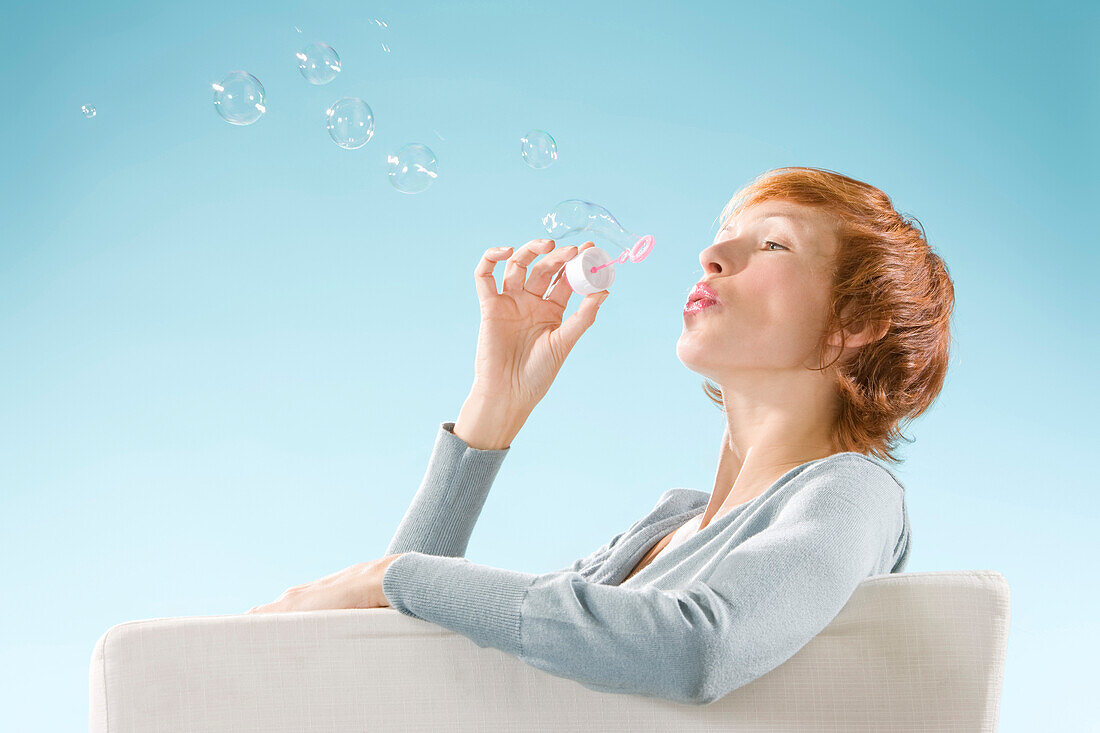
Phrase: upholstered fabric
(908, 652)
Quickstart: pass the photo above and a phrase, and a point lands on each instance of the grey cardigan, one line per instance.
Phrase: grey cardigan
(704, 618)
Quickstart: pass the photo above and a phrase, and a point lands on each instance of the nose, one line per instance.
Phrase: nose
(713, 259)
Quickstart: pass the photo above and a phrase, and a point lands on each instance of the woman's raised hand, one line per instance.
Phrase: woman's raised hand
(522, 342)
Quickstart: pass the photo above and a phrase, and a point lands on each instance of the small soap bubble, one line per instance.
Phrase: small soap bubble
(318, 62)
(297, 29)
(350, 122)
(539, 149)
(381, 23)
(412, 168)
(439, 136)
(239, 98)
(87, 110)
(385, 48)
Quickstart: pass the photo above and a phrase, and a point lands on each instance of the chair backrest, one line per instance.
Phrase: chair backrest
(908, 652)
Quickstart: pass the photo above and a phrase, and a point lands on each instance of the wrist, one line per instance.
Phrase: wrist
(487, 423)
(376, 597)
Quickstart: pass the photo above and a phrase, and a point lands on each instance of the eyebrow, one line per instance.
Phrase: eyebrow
(778, 215)
(771, 215)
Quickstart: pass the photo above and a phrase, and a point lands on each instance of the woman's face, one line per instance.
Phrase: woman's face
(771, 267)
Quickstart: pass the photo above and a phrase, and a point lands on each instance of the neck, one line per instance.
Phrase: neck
(738, 481)
(762, 441)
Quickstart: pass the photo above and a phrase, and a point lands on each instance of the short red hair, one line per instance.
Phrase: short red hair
(884, 272)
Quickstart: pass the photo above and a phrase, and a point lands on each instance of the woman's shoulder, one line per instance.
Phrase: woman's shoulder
(857, 476)
(865, 463)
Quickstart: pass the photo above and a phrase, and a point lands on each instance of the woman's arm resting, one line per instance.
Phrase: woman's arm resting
(760, 604)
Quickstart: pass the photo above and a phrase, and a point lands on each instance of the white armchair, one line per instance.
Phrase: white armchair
(908, 652)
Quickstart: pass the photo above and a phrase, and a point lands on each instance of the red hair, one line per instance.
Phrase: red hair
(885, 275)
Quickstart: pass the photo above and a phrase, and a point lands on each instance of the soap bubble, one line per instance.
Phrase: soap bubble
(539, 149)
(239, 98)
(87, 110)
(319, 63)
(595, 270)
(574, 216)
(350, 122)
(412, 168)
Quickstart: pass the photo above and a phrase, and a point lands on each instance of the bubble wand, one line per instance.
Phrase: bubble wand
(594, 269)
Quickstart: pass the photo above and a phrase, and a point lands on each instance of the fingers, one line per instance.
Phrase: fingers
(547, 267)
(566, 336)
(515, 273)
(484, 280)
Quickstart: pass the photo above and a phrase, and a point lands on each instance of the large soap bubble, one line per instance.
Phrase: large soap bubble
(239, 98)
(412, 168)
(350, 122)
(539, 149)
(318, 62)
(594, 269)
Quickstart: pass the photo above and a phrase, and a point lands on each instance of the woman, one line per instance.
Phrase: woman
(827, 325)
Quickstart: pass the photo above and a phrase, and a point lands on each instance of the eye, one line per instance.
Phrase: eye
(775, 243)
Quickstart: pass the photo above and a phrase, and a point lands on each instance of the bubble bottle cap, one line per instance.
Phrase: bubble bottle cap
(594, 269)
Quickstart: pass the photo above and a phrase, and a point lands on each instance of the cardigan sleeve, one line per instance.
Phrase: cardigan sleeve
(739, 618)
(441, 517)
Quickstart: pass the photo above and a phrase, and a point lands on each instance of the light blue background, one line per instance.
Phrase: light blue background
(226, 351)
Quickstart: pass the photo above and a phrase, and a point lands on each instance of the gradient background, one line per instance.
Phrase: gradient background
(226, 351)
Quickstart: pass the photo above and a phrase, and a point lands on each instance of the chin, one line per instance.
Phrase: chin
(691, 364)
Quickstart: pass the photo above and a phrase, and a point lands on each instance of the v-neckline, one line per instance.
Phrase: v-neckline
(637, 567)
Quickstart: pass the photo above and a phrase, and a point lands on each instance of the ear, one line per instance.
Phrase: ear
(860, 333)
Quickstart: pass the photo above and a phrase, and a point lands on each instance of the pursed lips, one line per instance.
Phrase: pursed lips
(702, 292)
